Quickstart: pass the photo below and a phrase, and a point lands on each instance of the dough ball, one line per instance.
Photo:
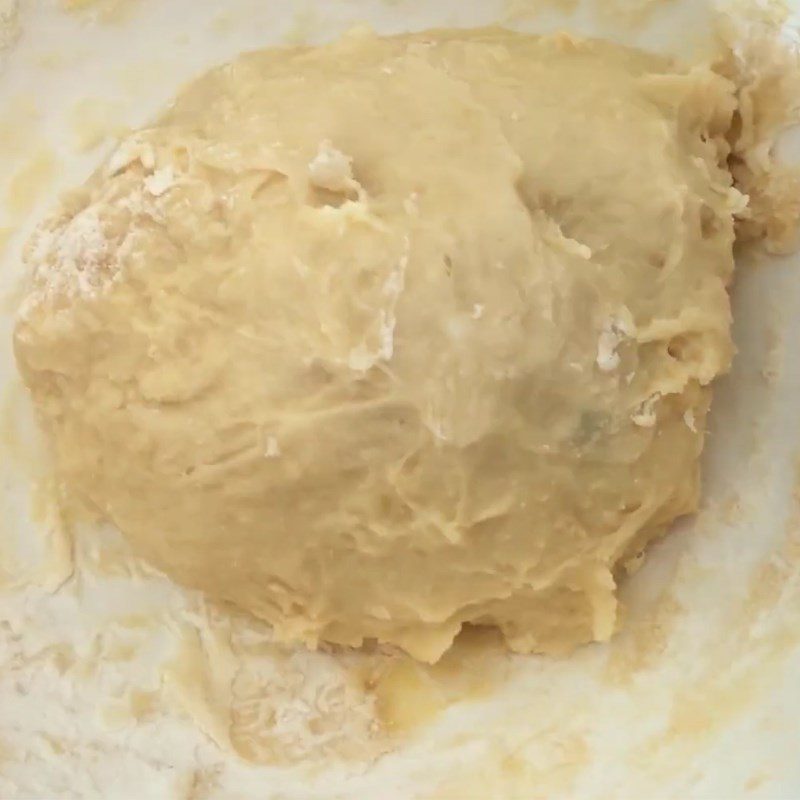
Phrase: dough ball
(392, 335)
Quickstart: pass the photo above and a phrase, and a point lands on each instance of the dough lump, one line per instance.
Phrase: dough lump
(383, 337)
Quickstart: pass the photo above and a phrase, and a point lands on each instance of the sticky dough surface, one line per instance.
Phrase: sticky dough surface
(383, 337)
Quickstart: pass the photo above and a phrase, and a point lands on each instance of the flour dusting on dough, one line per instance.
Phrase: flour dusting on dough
(615, 331)
(331, 169)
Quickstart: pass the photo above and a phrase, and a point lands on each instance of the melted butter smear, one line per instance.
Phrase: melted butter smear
(410, 694)
(105, 10)
(30, 182)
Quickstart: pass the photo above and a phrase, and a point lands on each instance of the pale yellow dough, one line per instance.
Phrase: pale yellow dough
(384, 337)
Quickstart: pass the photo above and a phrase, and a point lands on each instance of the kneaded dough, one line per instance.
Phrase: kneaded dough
(387, 336)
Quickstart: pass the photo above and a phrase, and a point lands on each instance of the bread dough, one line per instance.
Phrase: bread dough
(383, 337)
